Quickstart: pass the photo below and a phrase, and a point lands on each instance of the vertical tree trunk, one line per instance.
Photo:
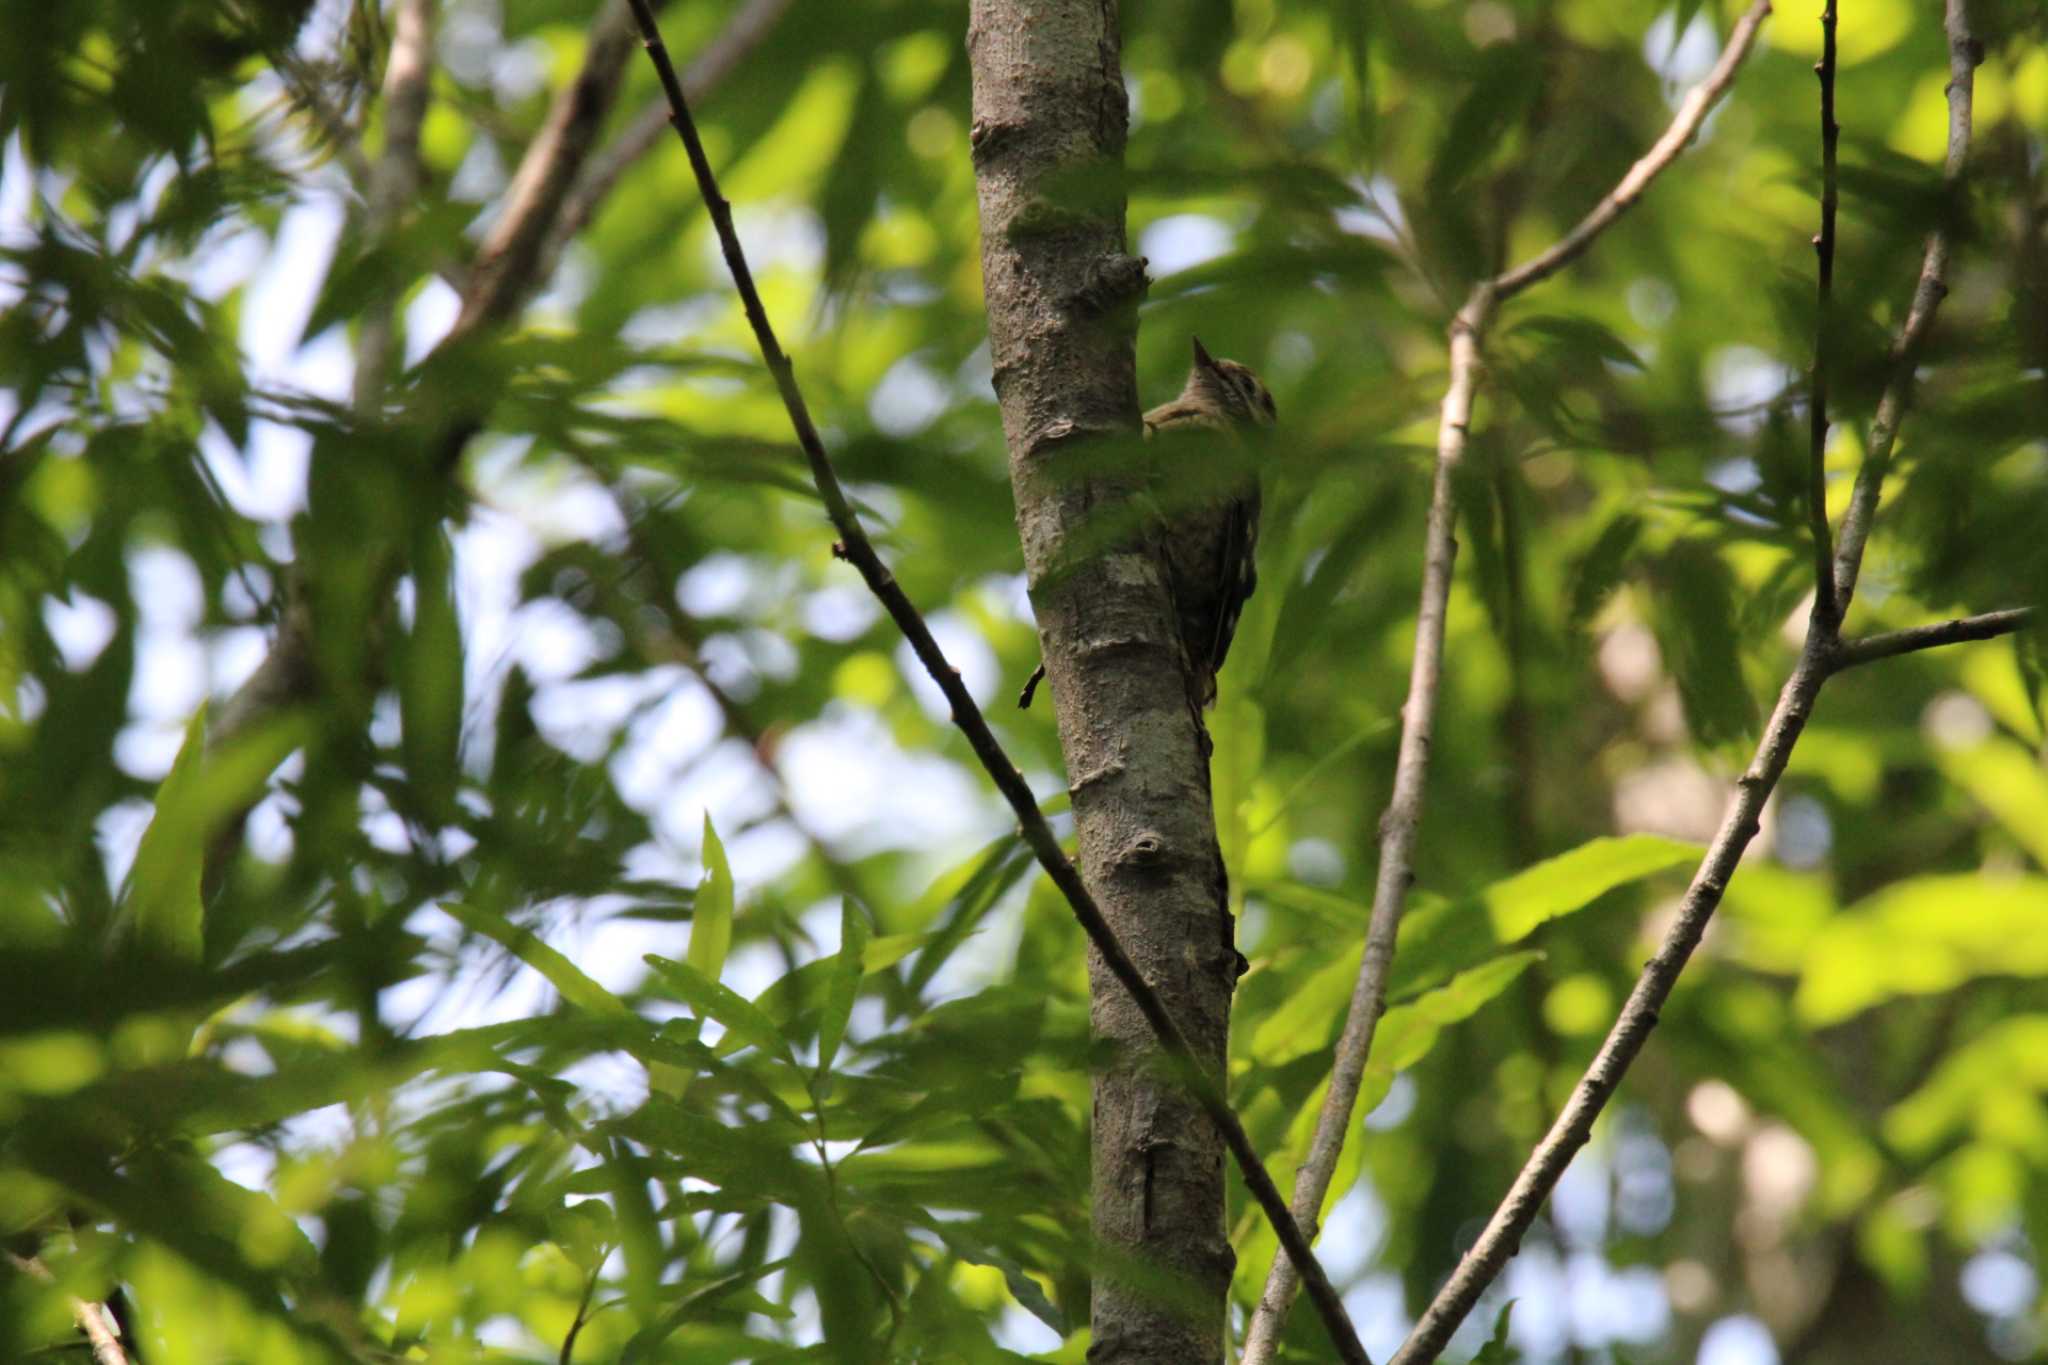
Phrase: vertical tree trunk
(1048, 137)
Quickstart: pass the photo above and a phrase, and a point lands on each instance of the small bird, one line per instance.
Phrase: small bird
(1208, 526)
(1209, 536)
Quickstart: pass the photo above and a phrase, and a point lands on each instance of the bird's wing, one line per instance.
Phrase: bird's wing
(1240, 545)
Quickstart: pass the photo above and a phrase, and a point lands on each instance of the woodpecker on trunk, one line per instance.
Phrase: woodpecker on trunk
(1209, 536)
(1208, 525)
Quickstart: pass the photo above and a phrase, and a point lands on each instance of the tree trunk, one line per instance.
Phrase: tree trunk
(1048, 137)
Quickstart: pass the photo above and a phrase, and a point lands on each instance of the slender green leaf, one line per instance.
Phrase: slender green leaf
(567, 979)
(711, 916)
(1437, 940)
(163, 902)
(715, 1000)
(429, 667)
(848, 967)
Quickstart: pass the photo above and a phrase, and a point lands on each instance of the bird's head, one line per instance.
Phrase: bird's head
(1232, 387)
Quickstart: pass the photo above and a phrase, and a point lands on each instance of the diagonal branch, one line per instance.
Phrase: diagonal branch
(855, 547)
(1574, 1125)
(1989, 626)
(1403, 818)
(1824, 605)
(1685, 125)
(1964, 54)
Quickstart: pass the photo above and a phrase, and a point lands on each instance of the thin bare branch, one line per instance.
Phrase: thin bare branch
(1685, 125)
(1819, 658)
(1988, 626)
(855, 547)
(1824, 606)
(1398, 827)
(1964, 55)
(1403, 818)
(1631, 1030)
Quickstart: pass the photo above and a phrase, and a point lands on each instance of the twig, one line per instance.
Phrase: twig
(1574, 1125)
(568, 1352)
(855, 547)
(1685, 125)
(106, 1348)
(1964, 53)
(1030, 688)
(1399, 826)
(1824, 606)
(1631, 1030)
(1988, 626)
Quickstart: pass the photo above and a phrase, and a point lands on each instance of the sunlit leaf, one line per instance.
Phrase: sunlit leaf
(1921, 936)
(1436, 941)
(848, 968)
(711, 1000)
(711, 916)
(575, 987)
(162, 901)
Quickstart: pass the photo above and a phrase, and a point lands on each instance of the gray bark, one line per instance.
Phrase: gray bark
(1049, 121)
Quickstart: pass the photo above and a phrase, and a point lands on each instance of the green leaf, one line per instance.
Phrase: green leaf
(1495, 1351)
(1982, 1086)
(715, 1000)
(1506, 83)
(2030, 653)
(1407, 1032)
(1580, 339)
(697, 1298)
(428, 663)
(1312, 1013)
(2011, 783)
(1354, 24)
(749, 1157)
(711, 916)
(1923, 936)
(965, 894)
(1024, 1289)
(1603, 568)
(806, 988)
(1365, 733)
(1240, 752)
(848, 967)
(586, 1232)
(1695, 626)
(567, 979)
(163, 902)
(1436, 941)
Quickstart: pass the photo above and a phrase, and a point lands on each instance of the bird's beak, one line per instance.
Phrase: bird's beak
(1202, 356)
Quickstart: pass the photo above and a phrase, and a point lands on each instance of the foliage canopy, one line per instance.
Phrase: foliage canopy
(482, 1044)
